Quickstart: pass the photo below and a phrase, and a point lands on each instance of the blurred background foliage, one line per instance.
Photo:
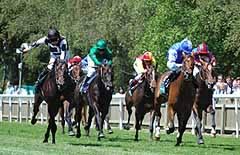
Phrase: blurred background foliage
(129, 26)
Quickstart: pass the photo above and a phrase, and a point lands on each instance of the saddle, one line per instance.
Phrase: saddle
(164, 86)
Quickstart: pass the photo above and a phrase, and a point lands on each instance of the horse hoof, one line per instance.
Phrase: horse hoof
(45, 141)
(200, 141)
(71, 133)
(213, 135)
(110, 131)
(33, 121)
(126, 127)
(157, 138)
(101, 135)
(136, 139)
(78, 135)
(170, 130)
(178, 144)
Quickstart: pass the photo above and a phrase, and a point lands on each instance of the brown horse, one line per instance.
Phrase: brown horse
(98, 97)
(53, 91)
(203, 101)
(67, 107)
(142, 99)
(180, 99)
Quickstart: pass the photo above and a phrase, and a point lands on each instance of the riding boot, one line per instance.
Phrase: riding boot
(165, 87)
(41, 78)
(85, 85)
(132, 86)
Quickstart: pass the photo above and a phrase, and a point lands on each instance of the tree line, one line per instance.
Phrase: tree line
(129, 26)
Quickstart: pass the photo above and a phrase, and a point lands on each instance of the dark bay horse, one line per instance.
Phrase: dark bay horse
(142, 99)
(66, 110)
(98, 97)
(205, 78)
(180, 99)
(53, 91)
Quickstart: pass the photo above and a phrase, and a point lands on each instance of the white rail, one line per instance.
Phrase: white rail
(25, 103)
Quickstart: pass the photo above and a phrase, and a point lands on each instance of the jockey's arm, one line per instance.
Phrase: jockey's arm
(172, 57)
(138, 66)
(92, 55)
(64, 49)
(109, 56)
(35, 44)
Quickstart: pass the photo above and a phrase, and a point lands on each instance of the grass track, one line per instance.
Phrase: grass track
(18, 139)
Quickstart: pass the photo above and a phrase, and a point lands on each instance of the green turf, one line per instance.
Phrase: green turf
(16, 138)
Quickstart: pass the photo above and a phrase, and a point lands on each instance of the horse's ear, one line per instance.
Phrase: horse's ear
(192, 54)
(201, 60)
(184, 55)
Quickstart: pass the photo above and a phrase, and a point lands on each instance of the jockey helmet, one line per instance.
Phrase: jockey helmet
(101, 44)
(147, 56)
(76, 59)
(186, 46)
(53, 34)
(203, 48)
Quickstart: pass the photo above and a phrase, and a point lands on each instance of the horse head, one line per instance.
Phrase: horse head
(60, 73)
(75, 72)
(187, 66)
(106, 73)
(150, 77)
(207, 73)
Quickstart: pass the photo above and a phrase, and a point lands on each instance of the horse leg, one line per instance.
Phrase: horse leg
(129, 109)
(61, 112)
(137, 125)
(84, 115)
(37, 101)
(170, 119)
(90, 116)
(53, 112)
(151, 123)
(47, 132)
(213, 130)
(182, 121)
(197, 113)
(68, 115)
(158, 118)
(99, 122)
(107, 118)
(78, 119)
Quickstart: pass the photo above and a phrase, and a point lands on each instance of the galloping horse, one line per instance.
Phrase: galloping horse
(180, 99)
(98, 97)
(67, 107)
(142, 99)
(52, 91)
(203, 101)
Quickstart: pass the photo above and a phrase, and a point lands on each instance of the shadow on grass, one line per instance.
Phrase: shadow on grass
(229, 147)
(94, 144)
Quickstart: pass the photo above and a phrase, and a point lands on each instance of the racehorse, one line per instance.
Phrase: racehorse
(53, 91)
(204, 97)
(142, 99)
(98, 97)
(67, 107)
(180, 97)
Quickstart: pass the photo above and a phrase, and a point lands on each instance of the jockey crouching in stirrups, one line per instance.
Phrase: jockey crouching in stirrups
(201, 53)
(58, 47)
(141, 64)
(97, 54)
(174, 63)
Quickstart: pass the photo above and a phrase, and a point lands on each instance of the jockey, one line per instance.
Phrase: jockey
(97, 54)
(76, 60)
(58, 47)
(174, 63)
(202, 53)
(140, 65)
